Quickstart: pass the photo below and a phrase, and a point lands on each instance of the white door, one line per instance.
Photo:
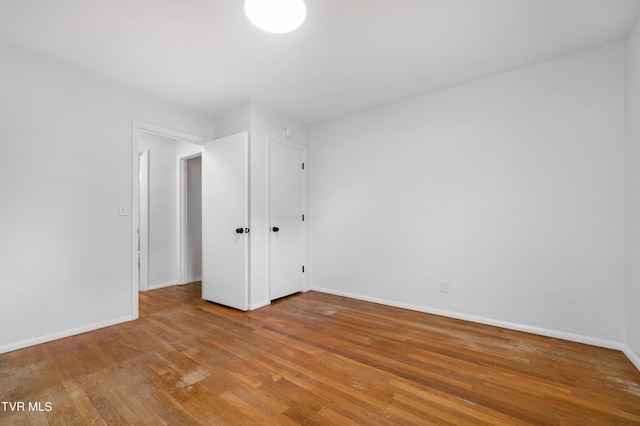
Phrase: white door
(286, 204)
(225, 221)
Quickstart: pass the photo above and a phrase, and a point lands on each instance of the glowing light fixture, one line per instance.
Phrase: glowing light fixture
(276, 16)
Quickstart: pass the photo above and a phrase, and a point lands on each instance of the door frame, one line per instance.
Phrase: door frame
(143, 223)
(137, 128)
(269, 141)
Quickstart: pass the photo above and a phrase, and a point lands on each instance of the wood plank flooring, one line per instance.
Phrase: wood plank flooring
(313, 358)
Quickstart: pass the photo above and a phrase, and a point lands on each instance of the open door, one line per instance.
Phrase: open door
(225, 221)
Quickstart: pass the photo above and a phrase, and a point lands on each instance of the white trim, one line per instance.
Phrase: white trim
(635, 359)
(167, 132)
(143, 223)
(573, 337)
(62, 334)
(136, 128)
(303, 151)
(247, 219)
(305, 256)
(162, 285)
(267, 248)
(182, 220)
(135, 211)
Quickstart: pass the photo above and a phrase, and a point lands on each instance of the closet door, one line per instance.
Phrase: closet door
(286, 211)
(225, 221)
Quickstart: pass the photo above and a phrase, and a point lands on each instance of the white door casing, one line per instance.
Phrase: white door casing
(143, 227)
(286, 218)
(225, 221)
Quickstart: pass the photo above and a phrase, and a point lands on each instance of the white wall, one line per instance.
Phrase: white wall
(511, 188)
(233, 121)
(65, 165)
(632, 192)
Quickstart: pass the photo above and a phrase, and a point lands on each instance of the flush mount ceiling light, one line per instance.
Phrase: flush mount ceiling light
(276, 16)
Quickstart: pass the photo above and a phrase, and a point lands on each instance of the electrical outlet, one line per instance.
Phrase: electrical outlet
(444, 286)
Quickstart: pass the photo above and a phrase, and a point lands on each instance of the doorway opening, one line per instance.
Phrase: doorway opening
(191, 219)
(165, 215)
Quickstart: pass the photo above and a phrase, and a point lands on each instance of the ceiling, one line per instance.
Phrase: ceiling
(348, 56)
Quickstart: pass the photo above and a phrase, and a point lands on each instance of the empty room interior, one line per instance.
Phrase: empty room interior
(382, 212)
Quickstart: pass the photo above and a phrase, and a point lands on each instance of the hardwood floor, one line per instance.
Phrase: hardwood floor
(313, 358)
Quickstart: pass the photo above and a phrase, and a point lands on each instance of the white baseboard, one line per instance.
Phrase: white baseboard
(191, 280)
(62, 334)
(258, 305)
(593, 341)
(162, 285)
(633, 357)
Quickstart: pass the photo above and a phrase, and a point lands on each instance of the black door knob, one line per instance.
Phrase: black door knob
(275, 229)
(239, 231)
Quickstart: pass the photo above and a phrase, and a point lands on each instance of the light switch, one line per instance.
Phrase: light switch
(123, 209)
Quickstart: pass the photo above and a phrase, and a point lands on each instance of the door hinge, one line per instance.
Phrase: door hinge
(303, 218)
(302, 166)
(303, 269)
